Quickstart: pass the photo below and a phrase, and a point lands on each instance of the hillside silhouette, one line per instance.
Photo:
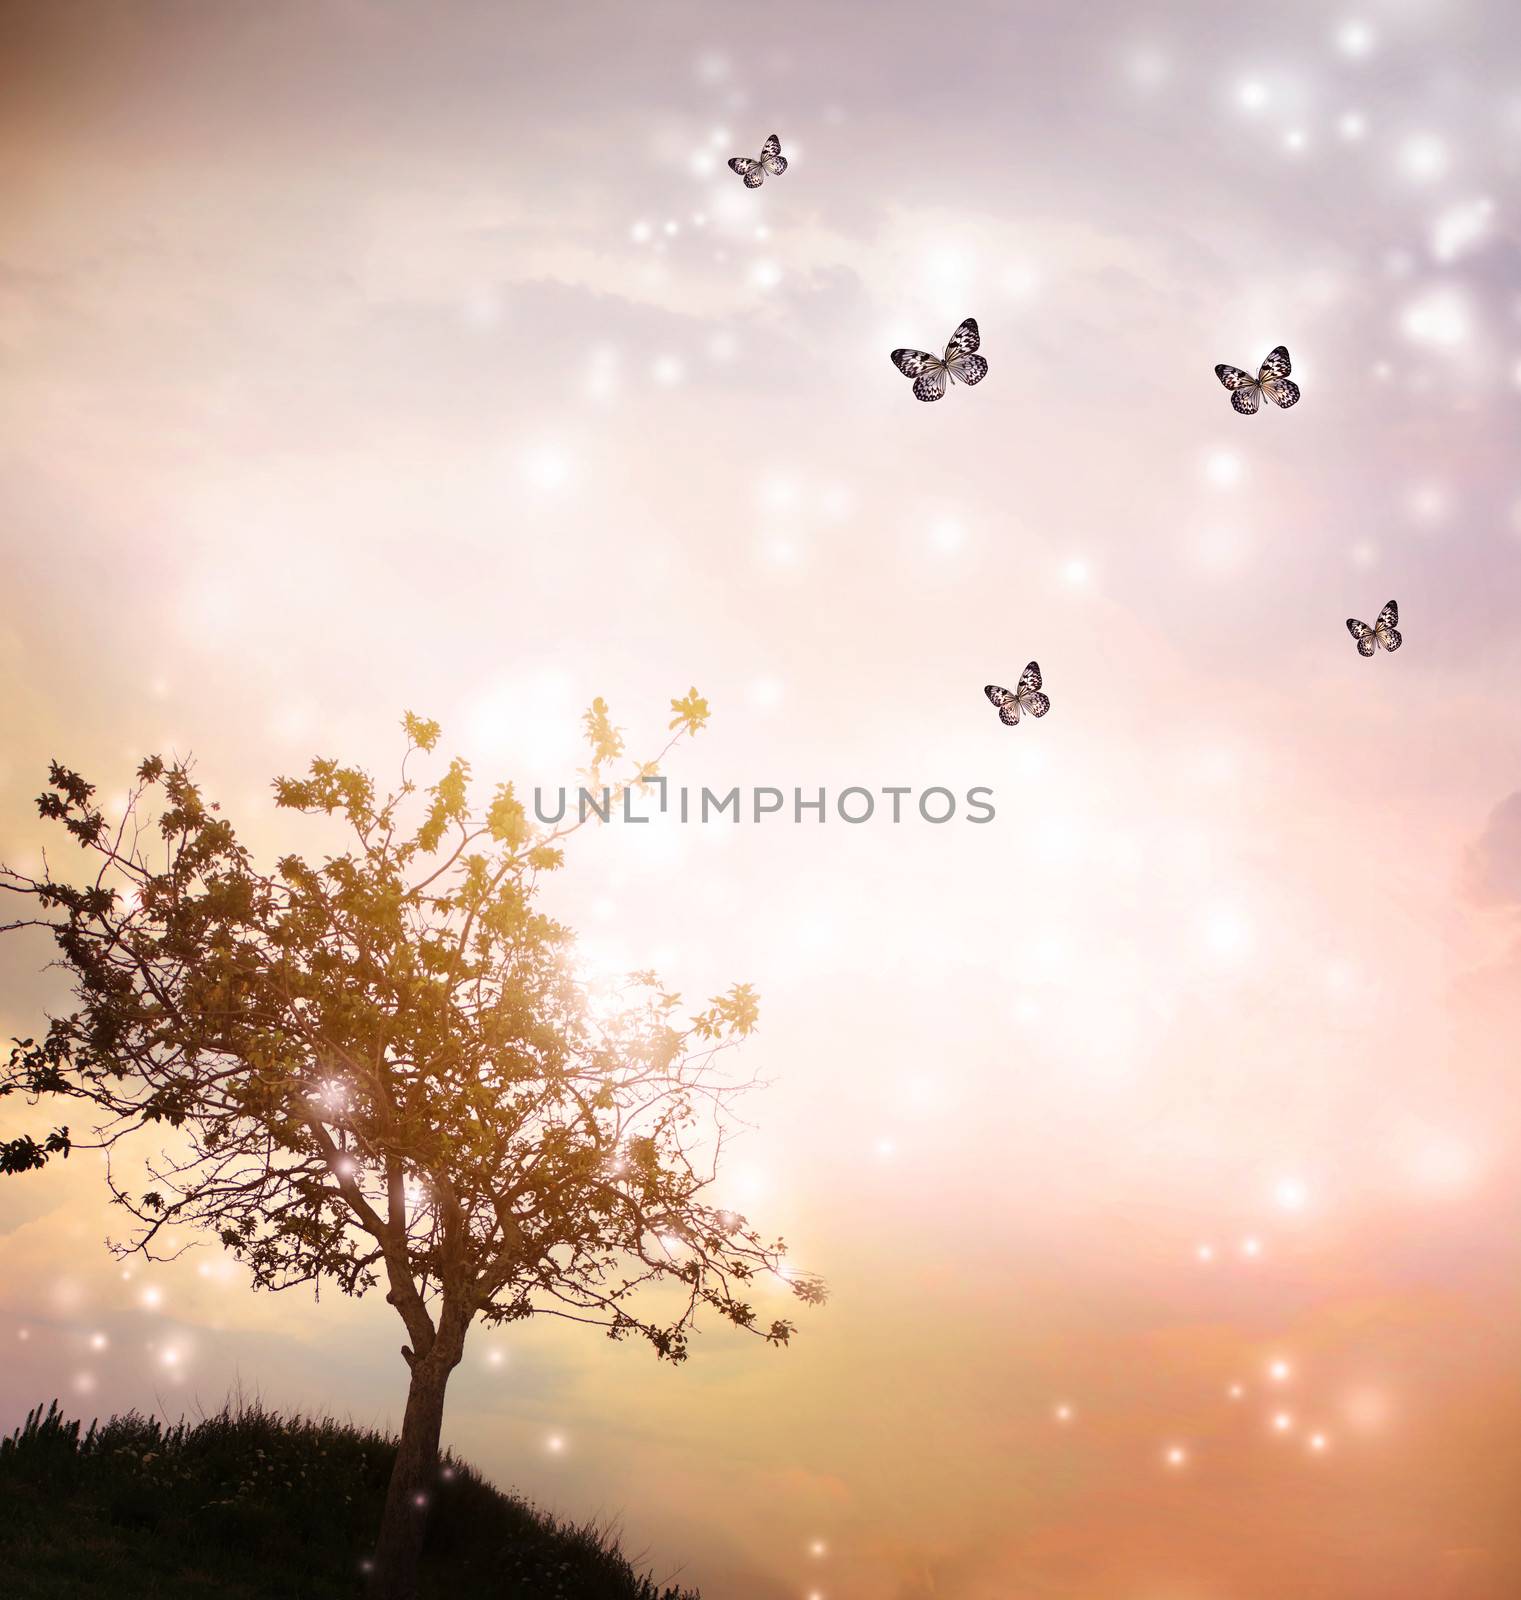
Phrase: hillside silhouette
(252, 1505)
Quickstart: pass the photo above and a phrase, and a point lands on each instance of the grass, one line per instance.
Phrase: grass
(252, 1505)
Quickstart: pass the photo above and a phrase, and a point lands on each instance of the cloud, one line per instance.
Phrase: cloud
(1492, 866)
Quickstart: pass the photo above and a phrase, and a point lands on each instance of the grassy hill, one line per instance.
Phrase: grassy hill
(250, 1505)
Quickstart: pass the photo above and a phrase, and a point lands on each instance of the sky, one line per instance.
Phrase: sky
(1158, 1138)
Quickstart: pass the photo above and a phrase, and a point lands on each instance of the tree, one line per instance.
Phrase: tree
(389, 1067)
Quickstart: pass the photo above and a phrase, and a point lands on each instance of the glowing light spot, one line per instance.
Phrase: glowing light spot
(1443, 1165)
(1352, 126)
(1319, 1443)
(949, 271)
(1228, 934)
(672, 228)
(1282, 1422)
(1430, 502)
(1461, 228)
(1291, 1195)
(1252, 96)
(1147, 69)
(495, 1358)
(555, 1444)
(667, 371)
(765, 274)
(818, 1549)
(765, 694)
(947, 535)
(781, 552)
(1280, 1371)
(152, 1298)
(98, 1341)
(641, 233)
(1235, 1391)
(1367, 1409)
(1075, 573)
(886, 1148)
(1224, 469)
(779, 494)
(1355, 39)
(1176, 1456)
(1205, 1252)
(546, 467)
(1423, 158)
(1440, 318)
(1294, 140)
(1251, 1248)
(170, 1357)
(1063, 1413)
(84, 1383)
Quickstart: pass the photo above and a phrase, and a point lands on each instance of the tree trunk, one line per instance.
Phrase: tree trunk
(393, 1571)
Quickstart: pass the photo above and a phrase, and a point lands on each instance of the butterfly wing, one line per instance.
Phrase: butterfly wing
(1281, 392)
(930, 384)
(927, 371)
(965, 341)
(1007, 702)
(968, 369)
(749, 170)
(1035, 705)
(1029, 679)
(1273, 378)
(1367, 643)
(1243, 386)
(771, 157)
(1385, 629)
(912, 362)
(1277, 364)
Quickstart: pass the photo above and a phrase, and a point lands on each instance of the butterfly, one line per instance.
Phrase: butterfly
(1027, 697)
(1272, 380)
(1384, 632)
(960, 362)
(772, 162)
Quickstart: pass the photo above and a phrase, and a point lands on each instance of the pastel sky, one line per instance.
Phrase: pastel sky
(362, 355)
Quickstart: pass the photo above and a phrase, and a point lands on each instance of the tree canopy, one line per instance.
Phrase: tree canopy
(387, 1065)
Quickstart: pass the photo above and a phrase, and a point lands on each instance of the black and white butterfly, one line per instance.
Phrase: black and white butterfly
(772, 163)
(959, 364)
(1272, 380)
(1027, 697)
(1384, 632)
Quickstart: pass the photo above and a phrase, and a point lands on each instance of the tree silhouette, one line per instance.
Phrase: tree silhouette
(388, 1067)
